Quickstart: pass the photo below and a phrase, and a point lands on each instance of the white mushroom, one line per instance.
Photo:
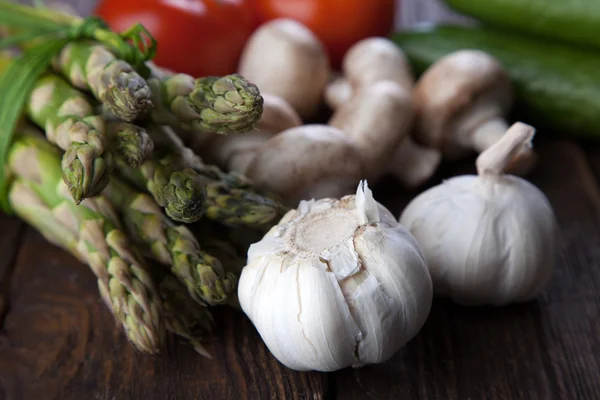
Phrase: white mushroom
(367, 62)
(284, 58)
(235, 152)
(461, 103)
(309, 161)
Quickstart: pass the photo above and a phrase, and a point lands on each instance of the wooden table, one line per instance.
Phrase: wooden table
(58, 341)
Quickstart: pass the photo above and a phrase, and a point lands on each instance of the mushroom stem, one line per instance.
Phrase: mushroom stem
(337, 92)
(413, 164)
(488, 133)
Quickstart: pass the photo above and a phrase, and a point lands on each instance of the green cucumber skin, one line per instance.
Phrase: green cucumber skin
(557, 87)
(574, 21)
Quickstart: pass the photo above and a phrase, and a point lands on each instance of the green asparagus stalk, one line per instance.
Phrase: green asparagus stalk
(173, 186)
(171, 245)
(123, 281)
(67, 117)
(130, 142)
(112, 81)
(228, 104)
(231, 199)
(184, 317)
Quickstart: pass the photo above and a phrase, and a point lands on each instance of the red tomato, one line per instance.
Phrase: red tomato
(197, 37)
(338, 23)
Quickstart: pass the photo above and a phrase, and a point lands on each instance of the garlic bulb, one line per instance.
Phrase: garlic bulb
(488, 239)
(336, 283)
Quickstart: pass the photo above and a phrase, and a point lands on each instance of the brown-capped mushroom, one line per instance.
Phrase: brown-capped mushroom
(284, 58)
(461, 103)
(367, 62)
(377, 118)
(309, 161)
(234, 152)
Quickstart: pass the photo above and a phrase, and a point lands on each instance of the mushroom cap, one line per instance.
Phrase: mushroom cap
(283, 57)
(376, 118)
(450, 87)
(375, 59)
(299, 158)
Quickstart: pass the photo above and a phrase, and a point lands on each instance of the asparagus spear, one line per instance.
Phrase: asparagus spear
(68, 120)
(124, 283)
(231, 200)
(183, 317)
(173, 186)
(112, 81)
(228, 104)
(130, 142)
(171, 245)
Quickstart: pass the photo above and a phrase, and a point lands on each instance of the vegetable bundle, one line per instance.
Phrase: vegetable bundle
(93, 161)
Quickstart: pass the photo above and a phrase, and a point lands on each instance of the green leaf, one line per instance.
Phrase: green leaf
(26, 36)
(15, 85)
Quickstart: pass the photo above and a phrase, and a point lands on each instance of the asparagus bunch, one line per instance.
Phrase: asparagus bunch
(171, 245)
(230, 198)
(183, 317)
(227, 104)
(114, 82)
(89, 232)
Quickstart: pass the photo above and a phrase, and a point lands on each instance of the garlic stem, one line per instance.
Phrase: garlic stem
(495, 159)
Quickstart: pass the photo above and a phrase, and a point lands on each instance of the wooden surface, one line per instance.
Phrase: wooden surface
(58, 341)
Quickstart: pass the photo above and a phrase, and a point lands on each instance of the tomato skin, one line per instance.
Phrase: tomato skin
(338, 23)
(196, 37)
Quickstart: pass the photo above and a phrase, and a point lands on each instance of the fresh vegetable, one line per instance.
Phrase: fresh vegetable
(285, 59)
(308, 161)
(113, 82)
(339, 24)
(556, 86)
(171, 245)
(461, 104)
(366, 63)
(172, 185)
(376, 118)
(130, 142)
(488, 239)
(336, 283)
(236, 152)
(227, 104)
(87, 231)
(183, 316)
(230, 199)
(571, 21)
(197, 37)
(70, 122)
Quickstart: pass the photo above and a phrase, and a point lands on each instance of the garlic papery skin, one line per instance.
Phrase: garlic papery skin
(488, 239)
(337, 283)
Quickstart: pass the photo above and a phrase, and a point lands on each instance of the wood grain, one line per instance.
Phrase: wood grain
(60, 342)
(547, 349)
(11, 228)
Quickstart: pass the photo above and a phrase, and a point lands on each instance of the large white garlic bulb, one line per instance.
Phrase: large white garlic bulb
(336, 283)
(488, 239)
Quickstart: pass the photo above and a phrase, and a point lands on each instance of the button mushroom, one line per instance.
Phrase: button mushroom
(377, 119)
(309, 161)
(234, 152)
(367, 62)
(461, 102)
(284, 58)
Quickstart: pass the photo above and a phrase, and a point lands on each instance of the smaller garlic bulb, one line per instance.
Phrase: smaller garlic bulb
(488, 239)
(336, 283)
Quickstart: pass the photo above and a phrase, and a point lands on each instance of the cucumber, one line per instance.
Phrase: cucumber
(557, 87)
(571, 21)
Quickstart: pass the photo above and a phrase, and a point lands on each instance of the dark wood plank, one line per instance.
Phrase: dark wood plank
(59, 342)
(549, 348)
(11, 229)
